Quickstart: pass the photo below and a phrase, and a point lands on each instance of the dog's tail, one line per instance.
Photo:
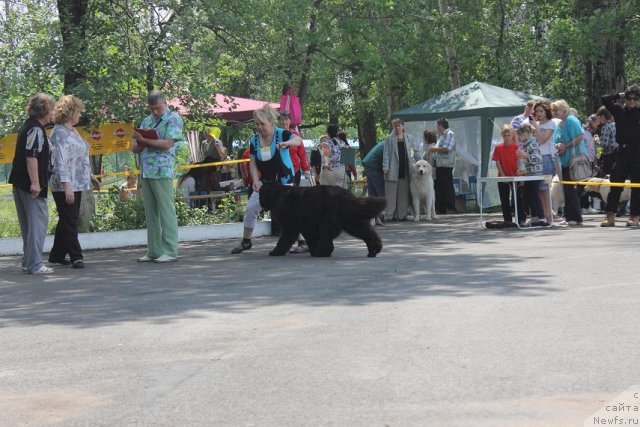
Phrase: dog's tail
(366, 207)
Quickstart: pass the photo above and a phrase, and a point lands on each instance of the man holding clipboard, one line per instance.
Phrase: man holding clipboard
(155, 142)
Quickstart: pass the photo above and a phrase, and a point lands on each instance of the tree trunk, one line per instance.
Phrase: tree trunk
(312, 47)
(394, 99)
(87, 210)
(452, 55)
(334, 113)
(73, 28)
(366, 131)
(500, 45)
(607, 73)
(150, 70)
(72, 15)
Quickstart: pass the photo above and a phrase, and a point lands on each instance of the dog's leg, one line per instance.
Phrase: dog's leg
(423, 207)
(416, 208)
(311, 237)
(329, 227)
(288, 236)
(431, 205)
(363, 230)
(324, 248)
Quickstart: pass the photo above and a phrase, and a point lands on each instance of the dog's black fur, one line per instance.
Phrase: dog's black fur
(320, 213)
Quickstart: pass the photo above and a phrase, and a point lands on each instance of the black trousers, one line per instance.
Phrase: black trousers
(627, 166)
(606, 164)
(66, 237)
(445, 193)
(572, 209)
(532, 195)
(505, 189)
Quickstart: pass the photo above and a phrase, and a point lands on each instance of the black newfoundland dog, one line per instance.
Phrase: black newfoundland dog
(320, 213)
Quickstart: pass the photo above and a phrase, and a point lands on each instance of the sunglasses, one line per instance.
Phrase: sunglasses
(632, 98)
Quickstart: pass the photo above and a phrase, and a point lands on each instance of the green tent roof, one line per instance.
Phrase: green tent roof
(474, 99)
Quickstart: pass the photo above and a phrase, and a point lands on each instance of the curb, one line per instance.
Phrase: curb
(125, 238)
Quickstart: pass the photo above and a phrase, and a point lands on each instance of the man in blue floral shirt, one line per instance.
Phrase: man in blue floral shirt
(157, 160)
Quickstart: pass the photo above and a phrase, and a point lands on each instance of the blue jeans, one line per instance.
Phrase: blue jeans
(547, 169)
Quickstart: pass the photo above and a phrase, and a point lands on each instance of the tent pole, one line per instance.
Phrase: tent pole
(486, 132)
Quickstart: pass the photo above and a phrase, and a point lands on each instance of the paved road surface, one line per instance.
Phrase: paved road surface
(450, 326)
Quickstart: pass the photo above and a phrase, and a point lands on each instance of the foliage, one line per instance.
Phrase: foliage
(28, 47)
(113, 214)
(229, 210)
(356, 61)
(9, 226)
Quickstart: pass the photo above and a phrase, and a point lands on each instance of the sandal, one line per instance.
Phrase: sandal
(241, 247)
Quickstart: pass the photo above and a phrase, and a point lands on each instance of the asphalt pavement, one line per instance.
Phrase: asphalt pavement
(451, 325)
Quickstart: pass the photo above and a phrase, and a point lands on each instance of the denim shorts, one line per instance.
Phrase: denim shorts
(547, 169)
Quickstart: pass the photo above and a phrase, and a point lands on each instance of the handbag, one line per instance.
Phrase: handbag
(580, 166)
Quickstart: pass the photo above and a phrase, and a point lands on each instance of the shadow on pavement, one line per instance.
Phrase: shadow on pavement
(451, 257)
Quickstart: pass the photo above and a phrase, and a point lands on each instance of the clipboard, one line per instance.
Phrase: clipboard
(148, 133)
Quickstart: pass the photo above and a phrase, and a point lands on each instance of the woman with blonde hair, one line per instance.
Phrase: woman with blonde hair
(71, 176)
(570, 141)
(269, 162)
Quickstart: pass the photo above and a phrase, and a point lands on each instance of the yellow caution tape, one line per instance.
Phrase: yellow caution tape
(599, 184)
(180, 168)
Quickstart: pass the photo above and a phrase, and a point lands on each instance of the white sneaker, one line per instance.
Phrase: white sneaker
(299, 249)
(145, 258)
(165, 258)
(43, 270)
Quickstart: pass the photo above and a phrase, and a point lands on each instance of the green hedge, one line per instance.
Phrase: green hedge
(112, 214)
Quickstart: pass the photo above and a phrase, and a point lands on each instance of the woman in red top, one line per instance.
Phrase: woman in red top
(299, 154)
(507, 163)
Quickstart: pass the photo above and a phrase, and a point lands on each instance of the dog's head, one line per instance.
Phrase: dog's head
(265, 196)
(271, 194)
(422, 167)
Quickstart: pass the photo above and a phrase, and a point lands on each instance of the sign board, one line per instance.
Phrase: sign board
(105, 139)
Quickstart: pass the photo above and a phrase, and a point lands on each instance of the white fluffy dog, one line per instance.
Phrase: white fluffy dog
(604, 190)
(557, 195)
(422, 190)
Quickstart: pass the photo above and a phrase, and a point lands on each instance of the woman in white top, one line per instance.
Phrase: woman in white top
(71, 176)
(544, 128)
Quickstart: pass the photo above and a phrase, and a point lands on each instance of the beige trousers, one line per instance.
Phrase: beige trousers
(397, 194)
(332, 177)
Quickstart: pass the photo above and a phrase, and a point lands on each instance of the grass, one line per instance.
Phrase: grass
(9, 226)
